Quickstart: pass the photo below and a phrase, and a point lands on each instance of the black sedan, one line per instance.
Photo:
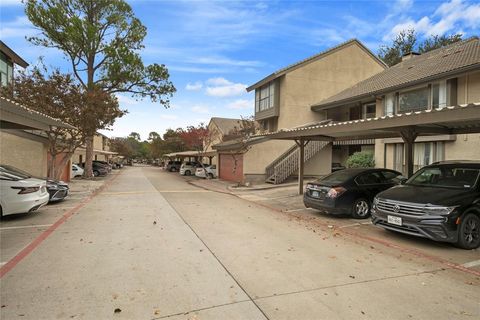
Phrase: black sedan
(57, 190)
(349, 191)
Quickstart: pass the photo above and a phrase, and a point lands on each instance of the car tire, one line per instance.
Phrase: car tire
(361, 209)
(469, 232)
(187, 172)
(96, 173)
(210, 175)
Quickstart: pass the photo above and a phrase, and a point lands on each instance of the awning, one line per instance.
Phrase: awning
(448, 120)
(191, 153)
(15, 116)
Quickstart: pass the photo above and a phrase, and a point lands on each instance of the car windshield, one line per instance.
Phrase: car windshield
(337, 177)
(446, 177)
(12, 173)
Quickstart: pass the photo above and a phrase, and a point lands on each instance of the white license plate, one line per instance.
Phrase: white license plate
(315, 194)
(394, 220)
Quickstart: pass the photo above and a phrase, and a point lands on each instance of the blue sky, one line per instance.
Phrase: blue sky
(214, 49)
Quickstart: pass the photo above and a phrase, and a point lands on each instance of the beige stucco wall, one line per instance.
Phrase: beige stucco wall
(468, 88)
(318, 80)
(466, 147)
(23, 153)
(261, 155)
(301, 88)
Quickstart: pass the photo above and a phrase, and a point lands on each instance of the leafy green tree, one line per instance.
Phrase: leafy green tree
(102, 40)
(134, 135)
(406, 41)
(153, 136)
(60, 96)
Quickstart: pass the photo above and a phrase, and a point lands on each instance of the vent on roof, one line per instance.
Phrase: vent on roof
(409, 55)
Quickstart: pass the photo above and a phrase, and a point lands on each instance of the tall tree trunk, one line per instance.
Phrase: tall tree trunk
(89, 157)
(51, 165)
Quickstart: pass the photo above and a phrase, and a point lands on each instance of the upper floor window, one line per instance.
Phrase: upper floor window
(369, 110)
(431, 96)
(265, 97)
(6, 71)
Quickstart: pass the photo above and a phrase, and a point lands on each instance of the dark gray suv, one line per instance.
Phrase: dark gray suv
(440, 201)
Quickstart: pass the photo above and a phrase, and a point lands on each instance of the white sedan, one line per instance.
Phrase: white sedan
(20, 192)
(210, 171)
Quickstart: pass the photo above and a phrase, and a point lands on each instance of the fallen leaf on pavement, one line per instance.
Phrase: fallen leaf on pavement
(117, 310)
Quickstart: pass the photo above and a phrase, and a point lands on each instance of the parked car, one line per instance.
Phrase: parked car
(210, 171)
(20, 192)
(173, 166)
(336, 166)
(98, 169)
(440, 202)
(57, 190)
(104, 163)
(349, 191)
(76, 171)
(188, 168)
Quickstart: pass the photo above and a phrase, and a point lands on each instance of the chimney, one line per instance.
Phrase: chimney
(409, 55)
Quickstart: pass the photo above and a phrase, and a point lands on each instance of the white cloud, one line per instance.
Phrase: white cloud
(126, 100)
(240, 104)
(448, 17)
(168, 117)
(194, 86)
(221, 87)
(200, 109)
(20, 27)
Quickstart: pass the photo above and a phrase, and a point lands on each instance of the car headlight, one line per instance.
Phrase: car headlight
(439, 211)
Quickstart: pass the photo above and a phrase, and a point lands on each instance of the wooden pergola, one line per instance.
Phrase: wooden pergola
(408, 126)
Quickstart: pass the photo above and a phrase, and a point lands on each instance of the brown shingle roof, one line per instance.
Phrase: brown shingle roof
(320, 55)
(458, 57)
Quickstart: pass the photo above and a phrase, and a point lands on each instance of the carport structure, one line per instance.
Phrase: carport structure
(449, 120)
(191, 154)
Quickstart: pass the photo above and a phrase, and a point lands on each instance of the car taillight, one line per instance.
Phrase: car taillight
(25, 190)
(335, 192)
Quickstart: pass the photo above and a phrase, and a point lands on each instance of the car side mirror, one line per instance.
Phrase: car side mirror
(403, 180)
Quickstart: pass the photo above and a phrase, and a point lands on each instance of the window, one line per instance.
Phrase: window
(369, 110)
(389, 104)
(413, 100)
(392, 177)
(369, 178)
(265, 97)
(439, 94)
(424, 153)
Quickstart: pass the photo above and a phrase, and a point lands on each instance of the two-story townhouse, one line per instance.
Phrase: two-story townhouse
(101, 150)
(443, 77)
(283, 100)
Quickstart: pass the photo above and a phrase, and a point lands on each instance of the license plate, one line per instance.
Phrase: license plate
(394, 220)
(315, 194)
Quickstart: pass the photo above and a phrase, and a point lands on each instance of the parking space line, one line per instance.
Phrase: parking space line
(471, 264)
(23, 227)
(4, 269)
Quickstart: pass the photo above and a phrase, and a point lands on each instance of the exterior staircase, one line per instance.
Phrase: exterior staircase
(287, 163)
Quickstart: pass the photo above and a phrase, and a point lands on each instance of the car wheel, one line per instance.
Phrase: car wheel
(187, 173)
(96, 173)
(361, 209)
(469, 232)
(210, 175)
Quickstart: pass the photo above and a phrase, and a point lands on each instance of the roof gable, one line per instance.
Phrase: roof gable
(314, 58)
(225, 125)
(458, 57)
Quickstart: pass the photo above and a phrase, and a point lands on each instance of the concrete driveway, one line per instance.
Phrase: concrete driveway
(152, 246)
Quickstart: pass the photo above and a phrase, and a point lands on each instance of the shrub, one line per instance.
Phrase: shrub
(361, 160)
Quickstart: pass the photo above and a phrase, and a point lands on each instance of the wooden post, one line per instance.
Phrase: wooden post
(301, 164)
(409, 137)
